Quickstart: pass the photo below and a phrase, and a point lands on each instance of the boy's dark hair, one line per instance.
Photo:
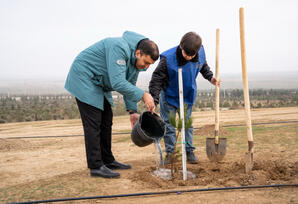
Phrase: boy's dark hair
(191, 43)
(148, 47)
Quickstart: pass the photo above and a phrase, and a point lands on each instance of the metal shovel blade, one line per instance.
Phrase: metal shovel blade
(216, 152)
(249, 162)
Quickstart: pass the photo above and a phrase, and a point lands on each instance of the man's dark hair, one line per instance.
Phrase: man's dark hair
(191, 43)
(148, 47)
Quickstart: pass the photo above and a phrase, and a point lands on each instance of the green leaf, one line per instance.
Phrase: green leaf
(188, 123)
(173, 119)
(185, 110)
(179, 125)
(178, 111)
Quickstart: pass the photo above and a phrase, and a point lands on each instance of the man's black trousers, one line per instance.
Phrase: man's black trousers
(97, 126)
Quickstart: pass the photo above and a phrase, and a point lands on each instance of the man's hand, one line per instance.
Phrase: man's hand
(215, 82)
(133, 119)
(149, 102)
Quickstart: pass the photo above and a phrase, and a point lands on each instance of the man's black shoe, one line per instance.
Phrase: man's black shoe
(192, 158)
(104, 172)
(117, 165)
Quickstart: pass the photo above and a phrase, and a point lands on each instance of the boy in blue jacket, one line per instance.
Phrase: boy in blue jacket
(190, 56)
(112, 64)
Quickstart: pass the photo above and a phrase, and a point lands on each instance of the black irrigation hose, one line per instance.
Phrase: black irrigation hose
(35, 137)
(125, 133)
(54, 136)
(279, 122)
(157, 193)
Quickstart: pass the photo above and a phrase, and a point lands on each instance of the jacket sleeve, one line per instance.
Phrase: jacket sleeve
(206, 72)
(116, 60)
(159, 79)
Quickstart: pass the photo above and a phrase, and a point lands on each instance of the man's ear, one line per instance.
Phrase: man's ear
(138, 54)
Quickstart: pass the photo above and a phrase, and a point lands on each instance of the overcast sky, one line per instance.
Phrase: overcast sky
(40, 38)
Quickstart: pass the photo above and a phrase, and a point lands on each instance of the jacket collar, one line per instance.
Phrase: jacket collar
(181, 60)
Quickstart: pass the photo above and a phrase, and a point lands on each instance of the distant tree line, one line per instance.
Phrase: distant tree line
(259, 98)
(34, 108)
(21, 108)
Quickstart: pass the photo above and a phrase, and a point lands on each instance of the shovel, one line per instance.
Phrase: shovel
(215, 147)
(249, 154)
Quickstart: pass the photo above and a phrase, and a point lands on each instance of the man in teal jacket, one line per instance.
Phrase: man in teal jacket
(112, 64)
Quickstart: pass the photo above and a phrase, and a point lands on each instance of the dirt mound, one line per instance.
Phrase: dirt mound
(225, 174)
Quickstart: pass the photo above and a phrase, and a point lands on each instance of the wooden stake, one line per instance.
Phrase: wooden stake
(181, 103)
(249, 155)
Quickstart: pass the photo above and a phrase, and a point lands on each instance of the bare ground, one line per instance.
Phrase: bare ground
(47, 168)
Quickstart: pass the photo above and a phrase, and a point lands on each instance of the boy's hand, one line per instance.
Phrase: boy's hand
(215, 82)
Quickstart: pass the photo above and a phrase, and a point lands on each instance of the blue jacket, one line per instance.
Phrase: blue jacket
(108, 65)
(189, 72)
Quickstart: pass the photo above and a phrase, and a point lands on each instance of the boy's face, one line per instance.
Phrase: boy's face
(188, 58)
(143, 61)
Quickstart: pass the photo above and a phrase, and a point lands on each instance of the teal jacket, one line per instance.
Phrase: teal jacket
(108, 65)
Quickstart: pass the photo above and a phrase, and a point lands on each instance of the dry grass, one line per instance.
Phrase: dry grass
(38, 169)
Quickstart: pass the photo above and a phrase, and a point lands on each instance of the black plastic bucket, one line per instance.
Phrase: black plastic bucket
(148, 128)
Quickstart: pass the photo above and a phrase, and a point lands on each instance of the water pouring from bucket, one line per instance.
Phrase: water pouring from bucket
(148, 129)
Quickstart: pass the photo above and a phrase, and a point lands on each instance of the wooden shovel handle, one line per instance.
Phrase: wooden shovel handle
(244, 76)
(217, 88)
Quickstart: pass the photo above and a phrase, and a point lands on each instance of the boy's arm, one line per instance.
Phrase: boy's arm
(206, 72)
(159, 79)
